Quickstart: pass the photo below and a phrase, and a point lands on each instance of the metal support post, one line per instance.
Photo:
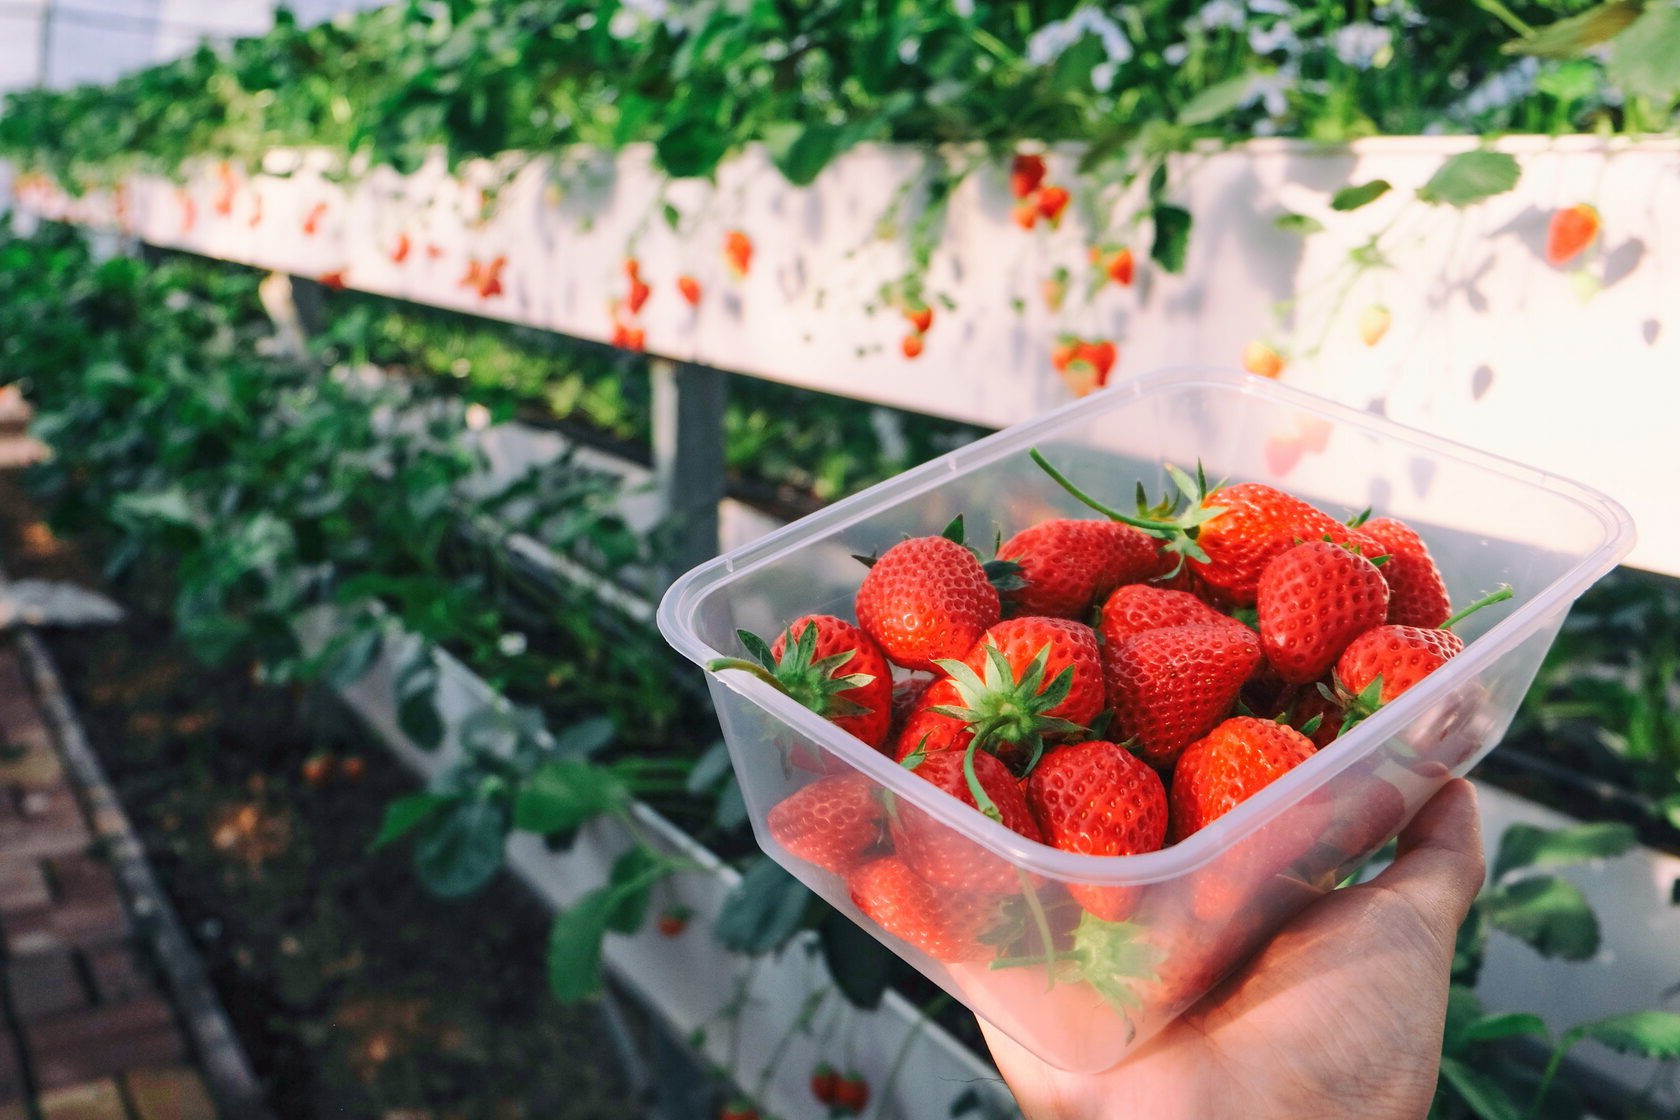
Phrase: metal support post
(688, 417)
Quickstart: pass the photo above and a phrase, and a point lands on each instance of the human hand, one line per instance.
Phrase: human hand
(1339, 1016)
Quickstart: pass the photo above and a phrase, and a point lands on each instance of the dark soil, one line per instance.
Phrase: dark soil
(354, 992)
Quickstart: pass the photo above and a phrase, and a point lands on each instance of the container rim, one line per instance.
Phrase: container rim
(683, 597)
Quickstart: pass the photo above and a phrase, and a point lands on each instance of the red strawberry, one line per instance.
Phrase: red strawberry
(1067, 564)
(831, 667)
(673, 920)
(944, 924)
(925, 599)
(399, 253)
(944, 856)
(1169, 687)
(929, 728)
(1025, 214)
(1417, 593)
(737, 252)
(1064, 646)
(1052, 201)
(1097, 798)
(1313, 599)
(851, 1094)
(639, 293)
(690, 289)
(834, 822)
(738, 1110)
(1121, 267)
(632, 268)
(1232, 763)
(1026, 173)
(1101, 354)
(1397, 656)
(333, 280)
(1256, 523)
(920, 317)
(1062, 353)
(1136, 607)
(312, 220)
(911, 345)
(1569, 232)
(825, 1079)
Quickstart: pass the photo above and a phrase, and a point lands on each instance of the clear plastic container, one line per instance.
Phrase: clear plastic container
(1201, 906)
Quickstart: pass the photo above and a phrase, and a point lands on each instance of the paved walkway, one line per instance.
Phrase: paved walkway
(89, 1029)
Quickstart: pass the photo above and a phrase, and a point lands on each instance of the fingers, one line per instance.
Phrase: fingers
(1440, 866)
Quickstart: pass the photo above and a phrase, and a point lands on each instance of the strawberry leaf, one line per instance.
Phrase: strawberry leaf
(1352, 198)
(1469, 177)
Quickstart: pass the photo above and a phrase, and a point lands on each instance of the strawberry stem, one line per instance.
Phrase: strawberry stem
(1498, 596)
(1178, 531)
(982, 800)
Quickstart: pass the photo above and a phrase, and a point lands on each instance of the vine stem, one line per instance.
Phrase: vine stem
(928, 1010)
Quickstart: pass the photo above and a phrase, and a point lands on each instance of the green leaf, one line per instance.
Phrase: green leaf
(169, 506)
(351, 661)
(1571, 36)
(1172, 236)
(1217, 100)
(565, 792)
(463, 846)
(587, 737)
(1352, 198)
(1549, 914)
(766, 908)
(1525, 845)
(1303, 224)
(575, 942)
(405, 814)
(800, 152)
(1642, 57)
(859, 964)
(1484, 1096)
(1648, 1034)
(632, 878)
(1492, 1028)
(1469, 177)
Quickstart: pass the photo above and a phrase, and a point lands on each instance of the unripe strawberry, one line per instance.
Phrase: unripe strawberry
(1373, 324)
(1261, 360)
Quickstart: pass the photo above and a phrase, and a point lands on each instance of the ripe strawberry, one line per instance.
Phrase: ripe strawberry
(490, 279)
(1121, 267)
(1052, 201)
(911, 345)
(1049, 648)
(399, 253)
(1569, 232)
(834, 822)
(318, 769)
(1097, 798)
(1261, 360)
(1417, 593)
(831, 667)
(189, 211)
(1255, 523)
(1064, 565)
(1026, 173)
(673, 920)
(690, 289)
(352, 768)
(312, 220)
(946, 925)
(1373, 324)
(1136, 607)
(929, 727)
(851, 1094)
(1169, 687)
(1232, 763)
(737, 253)
(825, 1079)
(920, 317)
(626, 337)
(333, 280)
(1101, 354)
(1063, 351)
(926, 598)
(638, 297)
(738, 1110)
(632, 268)
(1025, 214)
(1393, 658)
(946, 857)
(1313, 599)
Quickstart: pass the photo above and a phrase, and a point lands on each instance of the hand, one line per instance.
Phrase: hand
(1340, 1015)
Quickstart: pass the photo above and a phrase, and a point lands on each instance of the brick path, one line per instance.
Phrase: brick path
(88, 1029)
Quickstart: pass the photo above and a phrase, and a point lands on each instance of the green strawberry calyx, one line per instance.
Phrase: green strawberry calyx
(1175, 520)
(1000, 709)
(811, 681)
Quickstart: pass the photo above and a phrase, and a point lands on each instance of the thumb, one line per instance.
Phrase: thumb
(1440, 866)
